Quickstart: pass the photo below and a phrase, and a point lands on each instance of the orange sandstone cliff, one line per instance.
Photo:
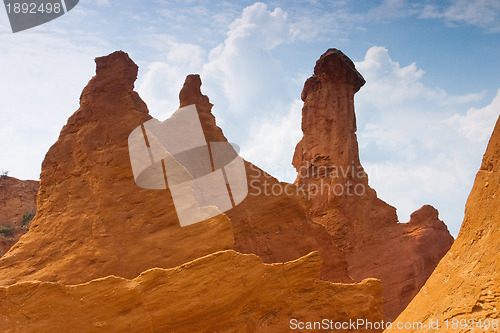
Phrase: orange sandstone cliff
(402, 255)
(464, 290)
(17, 206)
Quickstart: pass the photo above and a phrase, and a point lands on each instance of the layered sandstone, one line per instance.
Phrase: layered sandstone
(17, 205)
(363, 226)
(222, 292)
(464, 289)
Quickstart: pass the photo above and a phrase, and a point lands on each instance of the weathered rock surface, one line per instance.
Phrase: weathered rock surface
(221, 292)
(92, 220)
(465, 286)
(363, 226)
(17, 199)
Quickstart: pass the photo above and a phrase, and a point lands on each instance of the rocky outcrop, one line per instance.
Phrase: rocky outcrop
(464, 290)
(402, 255)
(221, 292)
(17, 207)
(92, 220)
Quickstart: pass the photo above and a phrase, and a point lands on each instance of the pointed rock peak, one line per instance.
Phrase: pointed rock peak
(427, 216)
(334, 67)
(491, 159)
(118, 63)
(116, 67)
(191, 94)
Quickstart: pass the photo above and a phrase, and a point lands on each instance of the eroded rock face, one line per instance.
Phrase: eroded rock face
(363, 226)
(222, 292)
(466, 283)
(92, 219)
(17, 204)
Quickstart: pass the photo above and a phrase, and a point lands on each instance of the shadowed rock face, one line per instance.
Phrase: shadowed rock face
(466, 283)
(17, 198)
(363, 226)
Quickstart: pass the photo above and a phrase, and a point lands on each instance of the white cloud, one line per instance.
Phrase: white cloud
(273, 142)
(477, 124)
(420, 141)
(243, 67)
(241, 76)
(162, 81)
(482, 13)
(391, 84)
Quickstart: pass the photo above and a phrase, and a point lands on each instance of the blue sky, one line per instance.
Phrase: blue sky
(424, 116)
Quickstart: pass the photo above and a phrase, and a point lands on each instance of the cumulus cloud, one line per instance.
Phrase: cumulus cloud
(243, 67)
(250, 90)
(252, 93)
(389, 83)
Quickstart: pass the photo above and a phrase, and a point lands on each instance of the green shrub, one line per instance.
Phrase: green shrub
(6, 231)
(27, 217)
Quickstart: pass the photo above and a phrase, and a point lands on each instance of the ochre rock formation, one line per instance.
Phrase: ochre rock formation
(222, 292)
(465, 286)
(363, 226)
(92, 220)
(95, 230)
(17, 199)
